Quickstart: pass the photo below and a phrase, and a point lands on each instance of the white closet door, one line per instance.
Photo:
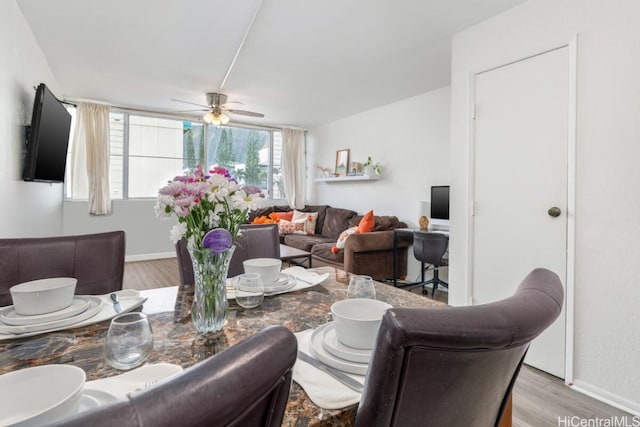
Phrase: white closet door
(521, 130)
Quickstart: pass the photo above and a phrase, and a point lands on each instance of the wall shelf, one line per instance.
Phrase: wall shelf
(348, 178)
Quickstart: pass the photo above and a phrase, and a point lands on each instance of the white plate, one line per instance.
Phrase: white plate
(95, 305)
(283, 279)
(99, 396)
(332, 345)
(9, 316)
(87, 403)
(324, 356)
(288, 283)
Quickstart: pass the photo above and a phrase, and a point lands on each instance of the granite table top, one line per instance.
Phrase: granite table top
(177, 341)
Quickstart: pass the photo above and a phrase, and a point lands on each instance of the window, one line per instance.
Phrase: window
(146, 152)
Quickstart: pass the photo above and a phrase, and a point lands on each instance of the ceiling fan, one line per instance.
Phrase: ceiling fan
(217, 107)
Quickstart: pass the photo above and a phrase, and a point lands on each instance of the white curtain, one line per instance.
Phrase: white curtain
(90, 154)
(294, 167)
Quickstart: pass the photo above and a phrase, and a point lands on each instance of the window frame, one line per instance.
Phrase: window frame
(125, 161)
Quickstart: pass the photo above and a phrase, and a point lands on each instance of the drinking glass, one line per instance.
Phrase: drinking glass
(361, 287)
(129, 341)
(249, 290)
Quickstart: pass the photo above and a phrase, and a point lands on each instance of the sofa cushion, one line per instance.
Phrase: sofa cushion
(382, 223)
(267, 210)
(322, 211)
(309, 220)
(343, 239)
(336, 221)
(289, 227)
(323, 250)
(305, 243)
(287, 216)
(366, 223)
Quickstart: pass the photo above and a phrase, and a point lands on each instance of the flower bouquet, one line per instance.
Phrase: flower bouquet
(210, 209)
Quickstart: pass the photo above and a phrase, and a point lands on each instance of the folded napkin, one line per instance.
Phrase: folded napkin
(304, 279)
(303, 275)
(323, 390)
(135, 380)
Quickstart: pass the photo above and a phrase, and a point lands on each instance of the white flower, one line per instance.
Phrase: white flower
(177, 232)
(202, 203)
(241, 200)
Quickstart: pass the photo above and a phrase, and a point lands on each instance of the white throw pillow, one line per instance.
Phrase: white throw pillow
(309, 219)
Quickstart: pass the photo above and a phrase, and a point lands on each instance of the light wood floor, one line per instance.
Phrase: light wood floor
(539, 399)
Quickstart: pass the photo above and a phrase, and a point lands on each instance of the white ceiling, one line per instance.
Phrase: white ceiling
(303, 63)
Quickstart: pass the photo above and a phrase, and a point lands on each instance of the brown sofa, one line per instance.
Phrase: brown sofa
(96, 260)
(366, 253)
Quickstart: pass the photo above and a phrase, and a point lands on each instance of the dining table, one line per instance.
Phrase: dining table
(177, 341)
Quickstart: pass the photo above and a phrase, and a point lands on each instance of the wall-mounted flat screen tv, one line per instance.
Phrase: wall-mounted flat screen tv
(48, 139)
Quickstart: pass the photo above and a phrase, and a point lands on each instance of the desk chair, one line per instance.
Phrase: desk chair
(463, 361)
(246, 385)
(256, 241)
(429, 248)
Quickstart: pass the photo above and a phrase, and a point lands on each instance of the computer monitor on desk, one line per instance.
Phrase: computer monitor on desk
(439, 208)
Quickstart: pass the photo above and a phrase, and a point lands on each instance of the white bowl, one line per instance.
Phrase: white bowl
(267, 268)
(357, 321)
(39, 395)
(43, 296)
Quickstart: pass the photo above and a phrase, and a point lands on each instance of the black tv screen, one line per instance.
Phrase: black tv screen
(48, 140)
(440, 202)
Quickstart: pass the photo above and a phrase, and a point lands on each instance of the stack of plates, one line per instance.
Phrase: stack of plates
(326, 348)
(82, 308)
(284, 282)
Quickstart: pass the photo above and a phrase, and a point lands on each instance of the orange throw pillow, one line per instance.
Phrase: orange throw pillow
(265, 220)
(366, 223)
(287, 216)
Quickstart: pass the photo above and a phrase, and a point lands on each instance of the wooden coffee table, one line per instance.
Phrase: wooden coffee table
(293, 255)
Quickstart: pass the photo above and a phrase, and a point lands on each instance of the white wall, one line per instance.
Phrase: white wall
(607, 215)
(410, 138)
(147, 236)
(28, 208)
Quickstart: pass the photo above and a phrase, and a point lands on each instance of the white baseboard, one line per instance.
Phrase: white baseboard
(147, 257)
(607, 397)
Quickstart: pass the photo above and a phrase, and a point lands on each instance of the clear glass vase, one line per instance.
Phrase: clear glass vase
(210, 307)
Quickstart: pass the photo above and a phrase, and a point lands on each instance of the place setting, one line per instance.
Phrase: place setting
(50, 304)
(333, 358)
(39, 395)
(273, 281)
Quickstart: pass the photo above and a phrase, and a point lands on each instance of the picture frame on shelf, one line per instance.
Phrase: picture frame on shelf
(355, 169)
(342, 162)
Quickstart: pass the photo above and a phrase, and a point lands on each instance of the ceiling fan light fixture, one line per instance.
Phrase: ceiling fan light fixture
(208, 118)
(215, 118)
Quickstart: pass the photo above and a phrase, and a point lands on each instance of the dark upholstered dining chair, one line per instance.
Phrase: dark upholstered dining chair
(96, 260)
(246, 385)
(256, 241)
(429, 248)
(455, 366)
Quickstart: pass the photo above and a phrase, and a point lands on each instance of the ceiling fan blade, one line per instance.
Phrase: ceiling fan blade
(192, 103)
(191, 111)
(245, 113)
(226, 104)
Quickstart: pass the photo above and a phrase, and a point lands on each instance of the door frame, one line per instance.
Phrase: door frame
(572, 46)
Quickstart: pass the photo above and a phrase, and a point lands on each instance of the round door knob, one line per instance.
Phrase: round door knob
(554, 212)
